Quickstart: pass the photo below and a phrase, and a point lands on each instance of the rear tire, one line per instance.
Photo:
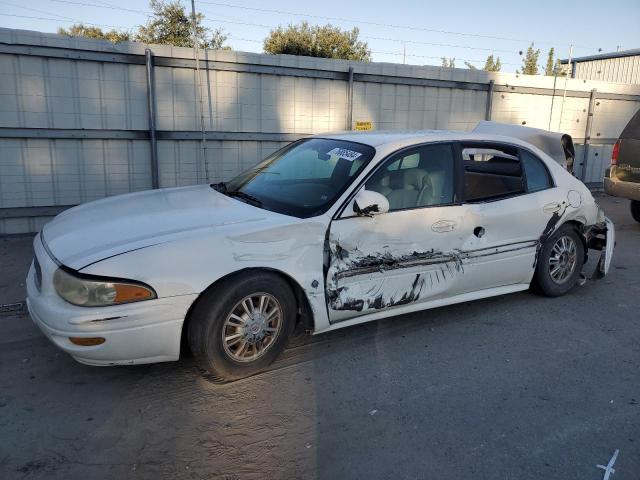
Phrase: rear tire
(635, 210)
(560, 262)
(239, 327)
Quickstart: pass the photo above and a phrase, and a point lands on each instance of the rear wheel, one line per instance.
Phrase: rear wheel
(635, 210)
(241, 326)
(560, 262)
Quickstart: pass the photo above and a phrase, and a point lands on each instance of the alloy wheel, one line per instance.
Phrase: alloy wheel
(563, 259)
(252, 327)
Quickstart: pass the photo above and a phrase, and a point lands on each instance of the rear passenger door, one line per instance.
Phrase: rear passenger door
(510, 196)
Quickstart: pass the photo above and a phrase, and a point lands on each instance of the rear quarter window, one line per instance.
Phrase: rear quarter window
(536, 172)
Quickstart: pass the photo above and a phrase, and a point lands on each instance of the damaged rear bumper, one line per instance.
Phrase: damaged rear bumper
(602, 236)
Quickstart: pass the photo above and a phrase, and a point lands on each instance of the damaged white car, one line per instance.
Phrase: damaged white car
(340, 229)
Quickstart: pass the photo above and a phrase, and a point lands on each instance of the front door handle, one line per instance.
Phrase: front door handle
(552, 207)
(443, 226)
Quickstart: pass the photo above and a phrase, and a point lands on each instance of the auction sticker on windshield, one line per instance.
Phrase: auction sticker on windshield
(344, 153)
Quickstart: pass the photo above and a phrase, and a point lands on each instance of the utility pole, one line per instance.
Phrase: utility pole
(196, 54)
(404, 53)
(566, 79)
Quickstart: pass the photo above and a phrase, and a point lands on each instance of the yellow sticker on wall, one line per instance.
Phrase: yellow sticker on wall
(364, 125)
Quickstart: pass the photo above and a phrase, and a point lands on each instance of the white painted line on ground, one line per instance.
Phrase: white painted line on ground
(609, 470)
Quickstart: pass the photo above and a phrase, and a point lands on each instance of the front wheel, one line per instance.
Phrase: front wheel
(241, 326)
(635, 210)
(560, 262)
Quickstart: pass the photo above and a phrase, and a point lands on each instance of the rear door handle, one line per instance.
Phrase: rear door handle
(443, 226)
(479, 231)
(552, 207)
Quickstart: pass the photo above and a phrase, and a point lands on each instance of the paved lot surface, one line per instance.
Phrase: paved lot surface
(515, 387)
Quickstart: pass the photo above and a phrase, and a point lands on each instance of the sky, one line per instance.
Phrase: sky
(412, 32)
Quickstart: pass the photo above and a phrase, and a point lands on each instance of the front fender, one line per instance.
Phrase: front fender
(191, 265)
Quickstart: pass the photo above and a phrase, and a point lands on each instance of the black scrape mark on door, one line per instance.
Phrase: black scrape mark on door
(407, 297)
(352, 304)
(341, 253)
(378, 301)
(336, 303)
(549, 229)
(386, 261)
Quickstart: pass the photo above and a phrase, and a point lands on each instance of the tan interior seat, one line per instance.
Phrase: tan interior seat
(409, 188)
(382, 186)
(442, 187)
(420, 179)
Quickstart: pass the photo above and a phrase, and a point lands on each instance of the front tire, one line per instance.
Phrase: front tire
(635, 210)
(239, 327)
(560, 262)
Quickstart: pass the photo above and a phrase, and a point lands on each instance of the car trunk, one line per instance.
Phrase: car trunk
(628, 165)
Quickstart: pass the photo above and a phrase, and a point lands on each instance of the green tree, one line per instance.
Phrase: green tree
(530, 61)
(492, 65)
(448, 62)
(324, 41)
(170, 24)
(81, 30)
(549, 68)
(559, 69)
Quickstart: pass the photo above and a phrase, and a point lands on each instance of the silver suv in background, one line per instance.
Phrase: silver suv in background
(622, 178)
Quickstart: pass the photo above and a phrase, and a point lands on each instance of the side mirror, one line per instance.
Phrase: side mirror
(369, 203)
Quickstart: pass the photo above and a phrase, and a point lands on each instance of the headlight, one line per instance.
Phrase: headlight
(89, 292)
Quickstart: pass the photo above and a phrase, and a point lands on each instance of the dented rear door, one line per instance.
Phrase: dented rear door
(511, 230)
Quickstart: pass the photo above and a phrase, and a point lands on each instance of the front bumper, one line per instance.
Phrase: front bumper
(142, 332)
(617, 188)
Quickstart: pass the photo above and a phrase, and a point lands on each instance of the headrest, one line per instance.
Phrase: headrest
(416, 179)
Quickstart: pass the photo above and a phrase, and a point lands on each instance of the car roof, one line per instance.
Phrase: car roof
(401, 138)
(551, 144)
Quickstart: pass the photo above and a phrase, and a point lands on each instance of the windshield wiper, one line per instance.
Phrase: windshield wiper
(222, 188)
(244, 196)
(219, 187)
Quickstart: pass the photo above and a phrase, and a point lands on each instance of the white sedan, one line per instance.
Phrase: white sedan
(340, 229)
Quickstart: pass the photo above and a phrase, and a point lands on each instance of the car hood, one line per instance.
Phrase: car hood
(97, 230)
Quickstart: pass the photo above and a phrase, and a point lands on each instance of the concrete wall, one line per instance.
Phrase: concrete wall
(74, 123)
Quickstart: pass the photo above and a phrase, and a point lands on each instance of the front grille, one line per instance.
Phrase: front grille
(36, 266)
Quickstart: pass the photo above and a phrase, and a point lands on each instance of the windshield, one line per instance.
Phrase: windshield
(303, 179)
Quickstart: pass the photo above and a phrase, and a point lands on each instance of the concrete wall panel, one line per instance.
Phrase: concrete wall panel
(64, 92)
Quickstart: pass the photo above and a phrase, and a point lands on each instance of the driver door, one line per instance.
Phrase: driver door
(410, 254)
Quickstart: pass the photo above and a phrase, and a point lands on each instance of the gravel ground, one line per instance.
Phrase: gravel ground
(514, 387)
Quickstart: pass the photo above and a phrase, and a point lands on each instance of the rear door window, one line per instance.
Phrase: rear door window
(491, 172)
